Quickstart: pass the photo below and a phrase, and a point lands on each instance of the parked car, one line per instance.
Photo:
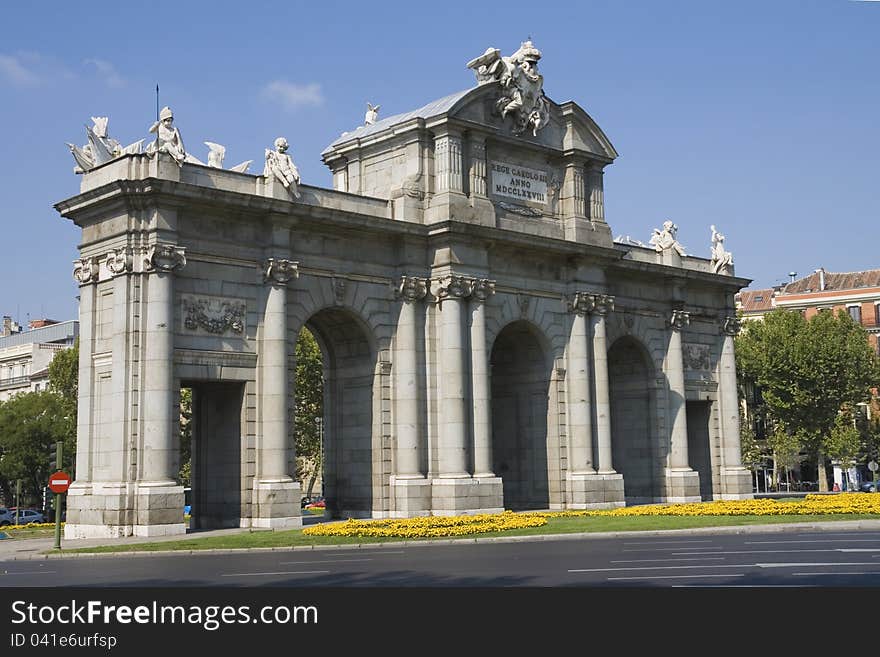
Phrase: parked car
(868, 487)
(316, 503)
(6, 517)
(26, 516)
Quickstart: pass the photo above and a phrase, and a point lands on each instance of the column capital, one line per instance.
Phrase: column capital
(411, 288)
(119, 261)
(581, 303)
(483, 289)
(454, 286)
(604, 304)
(85, 270)
(279, 271)
(730, 325)
(163, 257)
(679, 319)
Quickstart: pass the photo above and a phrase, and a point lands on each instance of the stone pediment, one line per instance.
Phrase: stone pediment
(570, 128)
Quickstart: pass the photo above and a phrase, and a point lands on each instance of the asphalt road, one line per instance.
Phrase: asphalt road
(830, 557)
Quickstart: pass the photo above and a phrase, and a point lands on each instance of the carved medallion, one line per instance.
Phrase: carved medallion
(213, 315)
(696, 356)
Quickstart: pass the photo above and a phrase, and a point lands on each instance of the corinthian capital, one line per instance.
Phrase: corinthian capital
(278, 271)
(411, 288)
(483, 289)
(456, 287)
(679, 319)
(85, 270)
(164, 258)
(730, 325)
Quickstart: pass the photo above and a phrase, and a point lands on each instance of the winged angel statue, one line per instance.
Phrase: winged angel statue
(522, 86)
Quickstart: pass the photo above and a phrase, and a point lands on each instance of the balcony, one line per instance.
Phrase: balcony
(14, 382)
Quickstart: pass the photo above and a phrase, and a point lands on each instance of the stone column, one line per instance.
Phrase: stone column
(678, 456)
(453, 435)
(736, 480)
(580, 423)
(276, 502)
(273, 366)
(596, 190)
(483, 289)
(477, 167)
(447, 163)
(603, 305)
(159, 446)
(85, 272)
(410, 290)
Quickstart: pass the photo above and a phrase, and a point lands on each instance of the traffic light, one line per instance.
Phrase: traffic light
(55, 456)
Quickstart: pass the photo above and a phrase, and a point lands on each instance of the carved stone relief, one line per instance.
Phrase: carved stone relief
(213, 315)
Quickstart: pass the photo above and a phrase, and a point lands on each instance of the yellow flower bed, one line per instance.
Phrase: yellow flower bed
(438, 526)
(32, 525)
(429, 527)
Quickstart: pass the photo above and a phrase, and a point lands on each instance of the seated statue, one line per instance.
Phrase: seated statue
(168, 139)
(280, 165)
(721, 258)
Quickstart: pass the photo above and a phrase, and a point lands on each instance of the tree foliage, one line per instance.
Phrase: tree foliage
(807, 371)
(309, 406)
(29, 424)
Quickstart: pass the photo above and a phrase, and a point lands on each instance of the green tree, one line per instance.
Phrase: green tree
(64, 381)
(29, 424)
(184, 475)
(309, 407)
(807, 371)
(844, 443)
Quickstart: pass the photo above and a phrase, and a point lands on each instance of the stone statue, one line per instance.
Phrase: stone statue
(100, 148)
(281, 166)
(722, 259)
(216, 153)
(168, 139)
(663, 239)
(522, 87)
(372, 114)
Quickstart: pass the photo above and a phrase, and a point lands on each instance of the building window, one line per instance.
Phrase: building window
(876, 314)
(37, 387)
(856, 313)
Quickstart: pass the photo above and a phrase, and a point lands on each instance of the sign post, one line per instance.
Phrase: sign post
(59, 482)
(872, 466)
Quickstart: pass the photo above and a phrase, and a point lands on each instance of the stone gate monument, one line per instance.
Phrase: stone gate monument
(487, 344)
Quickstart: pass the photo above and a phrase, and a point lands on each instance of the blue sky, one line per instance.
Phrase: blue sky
(760, 117)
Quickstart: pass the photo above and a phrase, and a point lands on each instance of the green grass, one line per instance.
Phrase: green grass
(290, 538)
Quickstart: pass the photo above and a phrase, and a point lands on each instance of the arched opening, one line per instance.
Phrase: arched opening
(346, 428)
(634, 448)
(520, 373)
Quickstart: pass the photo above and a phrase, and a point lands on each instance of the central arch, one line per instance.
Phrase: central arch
(520, 380)
(349, 366)
(634, 444)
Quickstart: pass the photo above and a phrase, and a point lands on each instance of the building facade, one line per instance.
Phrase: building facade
(25, 355)
(487, 345)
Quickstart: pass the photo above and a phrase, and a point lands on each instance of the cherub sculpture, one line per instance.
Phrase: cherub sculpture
(663, 239)
(280, 166)
(168, 139)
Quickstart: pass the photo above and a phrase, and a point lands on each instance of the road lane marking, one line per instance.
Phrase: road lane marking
(833, 574)
(603, 570)
(32, 572)
(817, 564)
(664, 560)
(765, 551)
(294, 563)
(610, 579)
(714, 547)
(818, 540)
(663, 542)
(288, 572)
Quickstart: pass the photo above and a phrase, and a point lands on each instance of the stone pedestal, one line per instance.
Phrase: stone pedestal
(682, 485)
(736, 484)
(466, 496)
(412, 497)
(594, 491)
(117, 509)
(158, 509)
(276, 505)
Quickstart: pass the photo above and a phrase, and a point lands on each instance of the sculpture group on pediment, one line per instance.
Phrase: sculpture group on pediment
(522, 86)
(99, 147)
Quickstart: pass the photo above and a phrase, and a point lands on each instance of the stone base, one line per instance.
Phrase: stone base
(736, 484)
(682, 486)
(276, 504)
(118, 509)
(411, 497)
(466, 496)
(271, 187)
(594, 491)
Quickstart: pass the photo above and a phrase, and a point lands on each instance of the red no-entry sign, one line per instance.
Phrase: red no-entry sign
(59, 482)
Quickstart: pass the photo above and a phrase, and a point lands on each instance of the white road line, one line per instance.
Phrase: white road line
(32, 572)
(714, 547)
(664, 560)
(610, 579)
(760, 552)
(818, 540)
(294, 563)
(876, 549)
(290, 572)
(602, 570)
(818, 564)
(663, 542)
(346, 554)
(832, 574)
